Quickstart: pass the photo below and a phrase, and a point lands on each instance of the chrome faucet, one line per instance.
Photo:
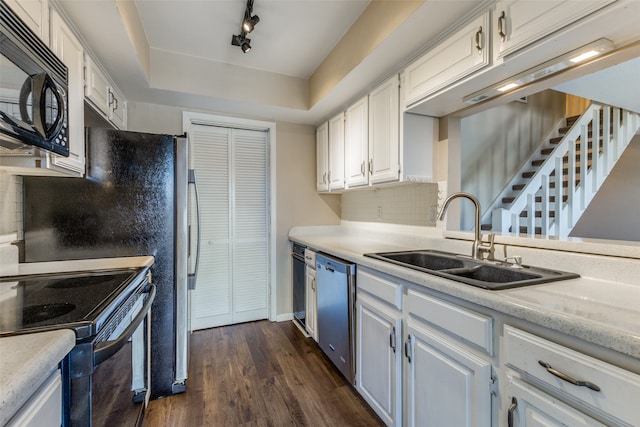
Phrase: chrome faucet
(479, 248)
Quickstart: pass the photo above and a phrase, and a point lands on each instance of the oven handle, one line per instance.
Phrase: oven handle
(105, 350)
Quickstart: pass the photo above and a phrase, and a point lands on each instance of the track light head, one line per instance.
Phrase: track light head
(242, 41)
(249, 22)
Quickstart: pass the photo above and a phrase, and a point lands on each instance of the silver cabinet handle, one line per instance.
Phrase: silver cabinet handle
(324, 178)
(407, 345)
(362, 168)
(512, 409)
(329, 176)
(502, 24)
(479, 40)
(392, 339)
(370, 166)
(568, 378)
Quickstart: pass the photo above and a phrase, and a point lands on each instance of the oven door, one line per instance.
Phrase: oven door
(120, 381)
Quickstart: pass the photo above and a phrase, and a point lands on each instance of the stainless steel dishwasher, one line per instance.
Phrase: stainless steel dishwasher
(336, 292)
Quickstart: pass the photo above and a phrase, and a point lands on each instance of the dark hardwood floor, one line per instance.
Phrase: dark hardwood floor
(260, 374)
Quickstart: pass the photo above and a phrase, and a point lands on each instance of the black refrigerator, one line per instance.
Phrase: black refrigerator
(133, 201)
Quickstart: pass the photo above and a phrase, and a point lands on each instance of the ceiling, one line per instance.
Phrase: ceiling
(179, 52)
(292, 37)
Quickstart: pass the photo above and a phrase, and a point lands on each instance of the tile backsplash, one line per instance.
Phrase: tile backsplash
(11, 205)
(408, 204)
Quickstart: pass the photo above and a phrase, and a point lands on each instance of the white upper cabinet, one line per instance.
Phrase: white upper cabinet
(322, 157)
(384, 132)
(34, 13)
(336, 153)
(519, 23)
(373, 143)
(357, 144)
(96, 89)
(68, 48)
(117, 108)
(106, 99)
(462, 53)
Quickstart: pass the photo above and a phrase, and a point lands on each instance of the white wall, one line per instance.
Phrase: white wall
(297, 202)
(11, 205)
(496, 142)
(408, 204)
(614, 213)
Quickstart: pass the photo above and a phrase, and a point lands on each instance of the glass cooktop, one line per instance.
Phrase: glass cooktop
(55, 301)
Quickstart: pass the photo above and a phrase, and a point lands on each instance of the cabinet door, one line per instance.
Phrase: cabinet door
(528, 406)
(97, 87)
(44, 408)
(69, 49)
(384, 132)
(461, 54)
(311, 303)
(336, 152)
(322, 157)
(117, 108)
(379, 360)
(519, 23)
(446, 385)
(356, 142)
(34, 13)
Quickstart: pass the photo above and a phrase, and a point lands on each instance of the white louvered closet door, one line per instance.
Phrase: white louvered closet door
(233, 278)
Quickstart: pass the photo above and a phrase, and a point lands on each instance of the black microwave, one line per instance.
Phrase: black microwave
(33, 90)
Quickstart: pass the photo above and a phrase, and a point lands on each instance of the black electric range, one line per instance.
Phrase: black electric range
(82, 301)
(109, 312)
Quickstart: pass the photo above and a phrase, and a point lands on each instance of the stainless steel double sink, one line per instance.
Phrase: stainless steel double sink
(491, 275)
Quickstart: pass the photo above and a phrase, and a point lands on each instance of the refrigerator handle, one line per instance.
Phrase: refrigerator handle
(191, 277)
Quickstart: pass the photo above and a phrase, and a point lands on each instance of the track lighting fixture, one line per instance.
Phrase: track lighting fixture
(248, 23)
(242, 41)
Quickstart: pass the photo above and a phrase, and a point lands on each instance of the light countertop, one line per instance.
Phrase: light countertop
(26, 360)
(25, 363)
(601, 307)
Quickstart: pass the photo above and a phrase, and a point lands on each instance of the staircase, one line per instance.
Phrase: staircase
(539, 200)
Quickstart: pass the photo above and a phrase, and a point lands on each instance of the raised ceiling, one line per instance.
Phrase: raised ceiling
(179, 52)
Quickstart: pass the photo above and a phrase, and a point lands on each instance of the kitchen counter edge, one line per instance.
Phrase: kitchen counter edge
(599, 333)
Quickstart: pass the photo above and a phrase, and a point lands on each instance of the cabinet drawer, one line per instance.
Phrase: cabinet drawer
(473, 327)
(382, 287)
(618, 389)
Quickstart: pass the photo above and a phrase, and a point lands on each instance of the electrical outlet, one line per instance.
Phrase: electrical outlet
(379, 212)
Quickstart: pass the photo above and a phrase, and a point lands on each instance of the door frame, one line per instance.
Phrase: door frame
(189, 118)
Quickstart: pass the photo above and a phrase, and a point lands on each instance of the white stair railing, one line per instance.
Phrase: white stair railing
(562, 199)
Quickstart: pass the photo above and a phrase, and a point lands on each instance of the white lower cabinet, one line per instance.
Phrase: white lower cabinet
(379, 362)
(311, 302)
(529, 406)
(431, 378)
(44, 408)
(571, 388)
(445, 384)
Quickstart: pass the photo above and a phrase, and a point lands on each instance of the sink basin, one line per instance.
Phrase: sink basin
(489, 273)
(424, 259)
(483, 274)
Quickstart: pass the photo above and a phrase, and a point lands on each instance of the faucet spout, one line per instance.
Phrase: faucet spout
(477, 248)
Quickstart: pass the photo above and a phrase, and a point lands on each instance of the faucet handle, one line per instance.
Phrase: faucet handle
(487, 247)
(515, 261)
